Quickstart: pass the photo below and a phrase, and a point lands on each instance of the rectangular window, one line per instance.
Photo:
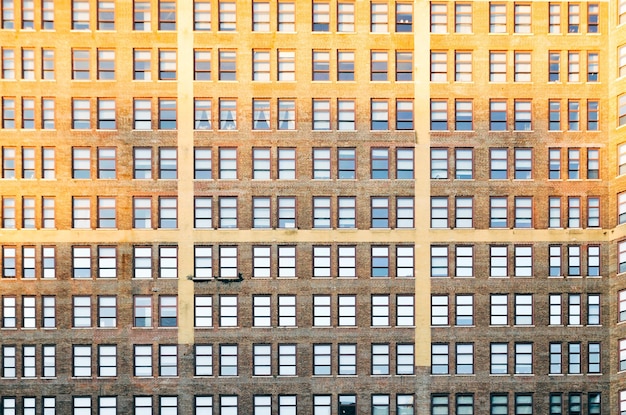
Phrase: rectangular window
(498, 115)
(228, 262)
(523, 309)
(322, 361)
(573, 18)
(404, 66)
(80, 15)
(556, 359)
(204, 361)
(261, 362)
(380, 212)
(286, 67)
(168, 212)
(321, 311)
(499, 310)
(106, 64)
(345, 17)
(554, 18)
(573, 66)
(321, 212)
(261, 65)
(523, 212)
(379, 65)
(202, 64)
(438, 115)
(440, 359)
(380, 115)
(286, 311)
(499, 362)
(48, 221)
(439, 261)
(261, 311)
(287, 212)
(321, 65)
(321, 16)
(522, 18)
(227, 65)
(227, 16)
(201, 15)
(574, 310)
(203, 163)
(438, 66)
(554, 261)
(142, 64)
(380, 359)
(228, 311)
(593, 64)
(286, 16)
(142, 362)
(203, 212)
(593, 115)
(438, 163)
(203, 262)
(321, 262)
(167, 15)
(81, 358)
(523, 115)
(464, 358)
(346, 310)
(404, 17)
(379, 18)
(462, 18)
(345, 65)
(464, 115)
(522, 65)
(168, 360)
(593, 261)
(574, 366)
(142, 213)
(405, 311)
(497, 18)
(167, 114)
(260, 16)
(438, 18)
(380, 310)
(464, 212)
(228, 114)
(142, 114)
(556, 310)
(107, 213)
(463, 66)
(261, 208)
(141, 15)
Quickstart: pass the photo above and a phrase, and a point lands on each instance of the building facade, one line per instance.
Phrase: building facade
(312, 207)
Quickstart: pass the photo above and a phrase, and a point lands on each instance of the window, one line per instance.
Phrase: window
(573, 18)
(227, 16)
(321, 114)
(464, 261)
(522, 18)
(347, 359)
(227, 65)
(523, 114)
(142, 212)
(464, 115)
(106, 64)
(228, 311)
(321, 311)
(204, 360)
(142, 362)
(81, 361)
(167, 114)
(499, 310)
(168, 314)
(438, 115)
(201, 15)
(438, 66)
(574, 366)
(261, 311)
(404, 17)
(47, 117)
(228, 262)
(142, 64)
(261, 66)
(28, 213)
(463, 66)
(573, 66)
(522, 65)
(464, 358)
(168, 212)
(523, 309)
(497, 18)
(556, 311)
(573, 115)
(380, 212)
(440, 359)
(286, 16)
(556, 359)
(142, 311)
(593, 63)
(523, 261)
(8, 212)
(573, 210)
(380, 311)
(555, 18)
(464, 212)
(261, 212)
(81, 405)
(260, 16)
(203, 212)
(593, 358)
(574, 310)
(168, 262)
(106, 213)
(346, 163)
(345, 17)
(80, 15)
(202, 64)
(346, 310)
(523, 212)
(81, 113)
(168, 360)
(593, 261)
(203, 163)
(439, 404)
(8, 63)
(523, 358)
(439, 310)
(321, 16)
(107, 361)
(379, 17)
(167, 65)
(438, 18)
(380, 359)
(262, 360)
(593, 212)
(203, 310)
(404, 66)
(286, 311)
(321, 212)
(593, 115)
(379, 65)
(142, 112)
(321, 359)
(439, 261)
(621, 101)
(107, 311)
(228, 163)
(28, 262)
(462, 18)
(106, 15)
(497, 115)
(499, 360)
(346, 118)
(287, 212)
(380, 115)
(321, 65)
(141, 15)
